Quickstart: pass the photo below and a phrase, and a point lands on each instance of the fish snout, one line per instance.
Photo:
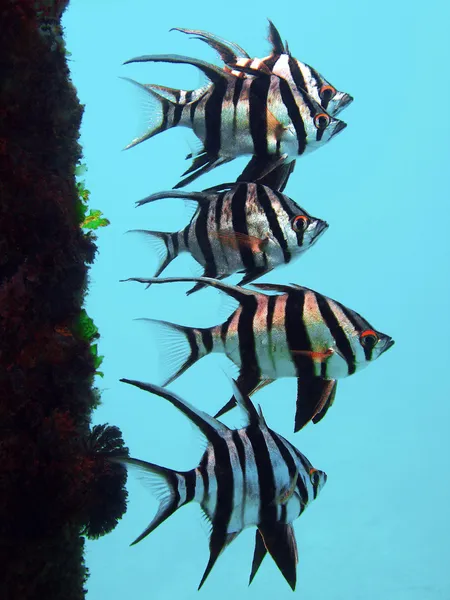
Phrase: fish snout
(320, 228)
(343, 102)
(340, 125)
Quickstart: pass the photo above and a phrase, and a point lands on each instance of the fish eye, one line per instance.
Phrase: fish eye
(322, 120)
(368, 338)
(314, 476)
(327, 92)
(300, 223)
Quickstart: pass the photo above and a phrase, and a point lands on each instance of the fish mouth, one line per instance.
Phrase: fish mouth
(388, 344)
(320, 228)
(343, 102)
(340, 125)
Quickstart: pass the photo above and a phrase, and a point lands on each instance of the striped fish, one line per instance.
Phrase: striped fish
(247, 477)
(245, 228)
(294, 333)
(261, 116)
(280, 62)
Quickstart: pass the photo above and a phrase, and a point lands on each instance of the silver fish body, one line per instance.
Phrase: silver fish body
(260, 116)
(247, 477)
(245, 228)
(294, 333)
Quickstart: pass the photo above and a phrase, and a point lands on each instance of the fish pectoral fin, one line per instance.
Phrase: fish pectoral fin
(313, 397)
(217, 544)
(328, 401)
(258, 555)
(279, 540)
(237, 240)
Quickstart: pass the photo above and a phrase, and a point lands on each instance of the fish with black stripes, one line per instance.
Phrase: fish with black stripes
(279, 62)
(295, 332)
(249, 477)
(245, 228)
(260, 116)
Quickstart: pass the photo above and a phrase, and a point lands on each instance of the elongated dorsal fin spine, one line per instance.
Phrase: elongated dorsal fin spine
(214, 74)
(242, 295)
(208, 425)
(199, 197)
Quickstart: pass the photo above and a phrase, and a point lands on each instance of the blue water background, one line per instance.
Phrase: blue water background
(380, 528)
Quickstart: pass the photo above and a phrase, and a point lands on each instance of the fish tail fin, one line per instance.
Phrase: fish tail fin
(167, 485)
(161, 112)
(180, 347)
(165, 244)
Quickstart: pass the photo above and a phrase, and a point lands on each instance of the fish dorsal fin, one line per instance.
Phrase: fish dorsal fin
(242, 295)
(228, 51)
(208, 425)
(275, 39)
(274, 287)
(243, 400)
(199, 197)
(214, 73)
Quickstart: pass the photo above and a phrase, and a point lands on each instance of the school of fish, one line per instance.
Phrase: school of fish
(274, 110)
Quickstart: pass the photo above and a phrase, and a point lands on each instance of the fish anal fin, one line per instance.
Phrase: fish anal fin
(247, 382)
(328, 401)
(279, 540)
(254, 274)
(217, 545)
(313, 396)
(258, 555)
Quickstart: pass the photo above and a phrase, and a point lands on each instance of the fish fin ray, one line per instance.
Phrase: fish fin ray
(327, 402)
(157, 105)
(279, 540)
(159, 241)
(313, 396)
(258, 555)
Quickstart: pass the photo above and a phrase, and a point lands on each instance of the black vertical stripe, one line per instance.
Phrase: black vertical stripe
(178, 109)
(297, 334)
(266, 478)
(288, 210)
(186, 236)
(259, 89)
(224, 329)
(193, 109)
(202, 237)
(239, 221)
(188, 96)
(272, 219)
(246, 337)
(207, 339)
(218, 218)
(337, 332)
(189, 480)
(203, 469)
(174, 238)
(294, 115)
(296, 73)
(291, 465)
(223, 471)
(213, 117)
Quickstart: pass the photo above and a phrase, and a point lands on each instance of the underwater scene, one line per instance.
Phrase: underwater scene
(246, 284)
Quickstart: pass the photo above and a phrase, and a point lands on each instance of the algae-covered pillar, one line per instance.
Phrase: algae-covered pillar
(55, 484)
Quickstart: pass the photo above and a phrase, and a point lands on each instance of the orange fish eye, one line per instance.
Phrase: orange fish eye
(327, 91)
(322, 120)
(369, 338)
(311, 471)
(300, 223)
